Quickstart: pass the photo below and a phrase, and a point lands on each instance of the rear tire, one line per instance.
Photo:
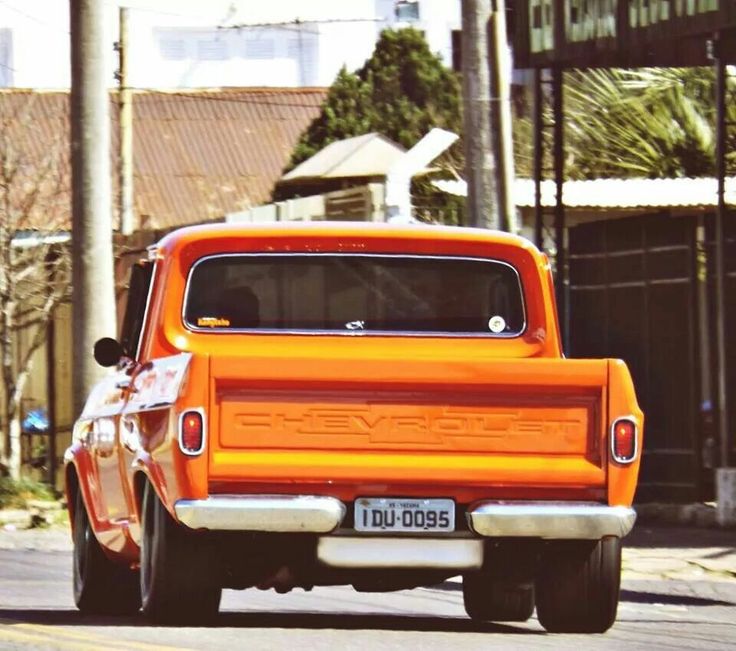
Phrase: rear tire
(175, 587)
(490, 599)
(578, 586)
(101, 587)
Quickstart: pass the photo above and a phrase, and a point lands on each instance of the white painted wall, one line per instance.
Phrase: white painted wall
(193, 43)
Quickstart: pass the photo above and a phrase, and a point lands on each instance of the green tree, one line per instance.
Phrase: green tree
(652, 122)
(346, 113)
(649, 122)
(402, 92)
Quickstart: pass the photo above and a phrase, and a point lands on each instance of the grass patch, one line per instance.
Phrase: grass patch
(17, 494)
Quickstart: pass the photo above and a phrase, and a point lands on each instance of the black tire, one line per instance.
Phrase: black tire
(490, 599)
(101, 587)
(578, 586)
(175, 585)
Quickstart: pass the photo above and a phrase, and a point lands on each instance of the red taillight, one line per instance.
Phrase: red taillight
(623, 440)
(191, 434)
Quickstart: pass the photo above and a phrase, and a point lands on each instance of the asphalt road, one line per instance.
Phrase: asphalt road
(695, 611)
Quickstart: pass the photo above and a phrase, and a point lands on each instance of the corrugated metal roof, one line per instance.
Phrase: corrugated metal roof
(197, 154)
(368, 155)
(602, 194)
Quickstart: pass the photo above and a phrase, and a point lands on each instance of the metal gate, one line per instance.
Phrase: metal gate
(634, 295)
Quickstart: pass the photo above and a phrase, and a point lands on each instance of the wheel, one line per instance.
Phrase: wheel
(101, 587)
(578, 586)
(491, 599)
(175, 585)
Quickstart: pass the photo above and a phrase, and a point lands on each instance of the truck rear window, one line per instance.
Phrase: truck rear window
(354, 293)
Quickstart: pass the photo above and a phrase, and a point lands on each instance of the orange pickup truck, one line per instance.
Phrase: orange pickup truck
(382, 406)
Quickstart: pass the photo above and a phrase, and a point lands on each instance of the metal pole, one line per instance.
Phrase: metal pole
(126, 131)
(538, 159)
(51, 377)
(93, 297)
(723, 425)
(479, 159)
(498, 56)
(559, 165)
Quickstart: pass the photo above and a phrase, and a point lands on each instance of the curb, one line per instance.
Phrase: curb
(36, 514)
(697, 515)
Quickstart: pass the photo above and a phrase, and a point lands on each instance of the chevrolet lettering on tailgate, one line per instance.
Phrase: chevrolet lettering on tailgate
(381, 406)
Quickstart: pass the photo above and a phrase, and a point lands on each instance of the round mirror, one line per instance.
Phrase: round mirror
(108, 351)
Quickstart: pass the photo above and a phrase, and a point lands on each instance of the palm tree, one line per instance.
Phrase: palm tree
(648, 122)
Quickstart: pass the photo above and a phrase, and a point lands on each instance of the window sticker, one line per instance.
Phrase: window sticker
(496, 324)
(213, 322)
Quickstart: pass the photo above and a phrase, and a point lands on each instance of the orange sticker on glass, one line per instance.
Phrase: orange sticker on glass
(212, 322)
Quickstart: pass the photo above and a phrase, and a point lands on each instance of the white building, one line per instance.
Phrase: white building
(216, 43)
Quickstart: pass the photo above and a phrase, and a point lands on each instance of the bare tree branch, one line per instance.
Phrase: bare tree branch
(34, 269)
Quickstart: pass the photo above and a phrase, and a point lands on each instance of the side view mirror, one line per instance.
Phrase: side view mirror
(108, 351)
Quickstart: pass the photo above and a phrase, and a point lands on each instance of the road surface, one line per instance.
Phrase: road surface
(668, 601)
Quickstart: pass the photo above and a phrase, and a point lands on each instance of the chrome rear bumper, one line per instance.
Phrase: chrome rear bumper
(319, 514)
(271, 513)
(550, 520)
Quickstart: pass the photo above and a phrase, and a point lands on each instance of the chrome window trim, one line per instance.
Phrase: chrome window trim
(202, 413)
(352, 333)
(149, 296)
(614, 456)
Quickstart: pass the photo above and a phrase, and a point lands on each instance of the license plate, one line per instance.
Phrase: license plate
(389, 514)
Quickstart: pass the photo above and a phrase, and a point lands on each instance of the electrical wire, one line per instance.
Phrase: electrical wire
(35, 19)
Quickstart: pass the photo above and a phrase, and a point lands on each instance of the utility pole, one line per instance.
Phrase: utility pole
(500, 61)
(125, 170)
(93, 296)
(726, 473)
(480, 169)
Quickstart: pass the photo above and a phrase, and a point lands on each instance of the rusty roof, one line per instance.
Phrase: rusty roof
(197, 154)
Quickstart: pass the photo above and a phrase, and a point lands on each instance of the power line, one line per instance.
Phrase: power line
(303, 21)
(295, 25)
(32, 17)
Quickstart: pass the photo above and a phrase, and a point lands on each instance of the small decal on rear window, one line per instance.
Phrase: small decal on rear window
(212, 322)
(496, 324)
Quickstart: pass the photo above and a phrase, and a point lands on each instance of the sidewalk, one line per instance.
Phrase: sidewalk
(699, 514)
(666, 551)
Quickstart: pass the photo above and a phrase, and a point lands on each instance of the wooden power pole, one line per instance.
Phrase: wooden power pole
(125, 170)
(501, 135)
(93, 295)
(480, 170)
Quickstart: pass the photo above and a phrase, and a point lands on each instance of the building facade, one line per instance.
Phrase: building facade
(195, 44)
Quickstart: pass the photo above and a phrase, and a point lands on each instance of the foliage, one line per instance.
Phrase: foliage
(402, 92)
(649, 122)
(17, 493)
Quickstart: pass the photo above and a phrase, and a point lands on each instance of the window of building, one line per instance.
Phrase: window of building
(212, 49)
(6, 57)
(259, 48)
(172, 48)
(407, 10)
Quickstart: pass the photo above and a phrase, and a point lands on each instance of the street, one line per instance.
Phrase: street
(679, 592)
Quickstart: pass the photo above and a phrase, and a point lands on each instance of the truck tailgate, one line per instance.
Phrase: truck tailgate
(498, 421)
